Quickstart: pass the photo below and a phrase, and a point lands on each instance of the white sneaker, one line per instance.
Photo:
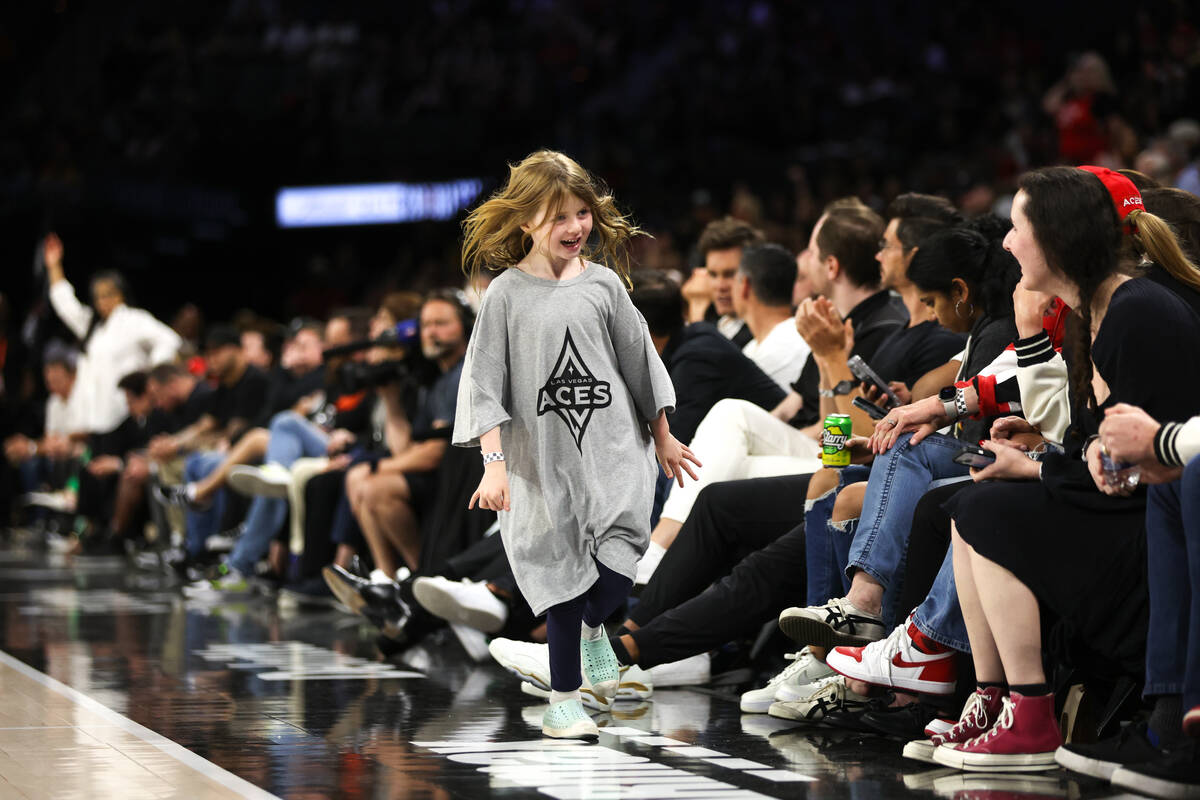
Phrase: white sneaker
(691, 671)
(219, 543)
(649, 563)
(803, 670)
(791, 692)
(896, 662)
(58, 543)
(464, 602)
(833, 695)
(225, 582)
(530, 662)
(636, 684)
(269, 480)
(55, 501)
(472, 640)
(834, 624)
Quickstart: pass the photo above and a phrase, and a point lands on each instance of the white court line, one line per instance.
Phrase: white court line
(176, 751)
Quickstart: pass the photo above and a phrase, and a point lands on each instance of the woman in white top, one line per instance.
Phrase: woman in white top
(115, 339)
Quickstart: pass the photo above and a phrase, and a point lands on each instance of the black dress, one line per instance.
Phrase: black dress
(1082, 552)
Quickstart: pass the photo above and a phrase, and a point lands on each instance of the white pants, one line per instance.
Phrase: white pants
(736, 440)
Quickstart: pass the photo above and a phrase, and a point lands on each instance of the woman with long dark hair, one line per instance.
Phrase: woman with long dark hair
(1062, 540)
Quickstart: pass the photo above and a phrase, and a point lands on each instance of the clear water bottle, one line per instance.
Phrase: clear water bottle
(1121, 476)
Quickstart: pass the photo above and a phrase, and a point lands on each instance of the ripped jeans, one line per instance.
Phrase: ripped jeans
(826, 545)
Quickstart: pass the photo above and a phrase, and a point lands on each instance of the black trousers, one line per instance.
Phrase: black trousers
(748, 537)
(322, 494)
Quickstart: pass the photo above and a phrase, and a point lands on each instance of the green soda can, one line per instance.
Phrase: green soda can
(834, 452)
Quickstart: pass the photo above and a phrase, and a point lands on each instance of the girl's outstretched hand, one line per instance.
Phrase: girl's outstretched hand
(492, 493)
(674, 455)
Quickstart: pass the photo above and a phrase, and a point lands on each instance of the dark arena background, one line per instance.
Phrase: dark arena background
(252, 572)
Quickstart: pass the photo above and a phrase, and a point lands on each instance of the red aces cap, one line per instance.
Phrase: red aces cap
(1125, 195)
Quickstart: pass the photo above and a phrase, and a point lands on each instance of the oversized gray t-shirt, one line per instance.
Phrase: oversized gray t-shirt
(568, 371)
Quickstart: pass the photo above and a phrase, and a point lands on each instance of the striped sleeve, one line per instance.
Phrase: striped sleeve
(1037, 349)
(1177, 443)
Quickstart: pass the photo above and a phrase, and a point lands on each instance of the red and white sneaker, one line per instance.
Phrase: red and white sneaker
(1191, 722)
(906, 659)
(1024, 739)
(978, 715)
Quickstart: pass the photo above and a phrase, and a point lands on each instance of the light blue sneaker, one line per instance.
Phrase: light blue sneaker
(568, 720)
(600, 666)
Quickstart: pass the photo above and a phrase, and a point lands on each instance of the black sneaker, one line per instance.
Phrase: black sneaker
(387, 612)
(1176, 775)
(346, 587)
(905, 722)
(1129, 747)
(310, 592)
(852, 719)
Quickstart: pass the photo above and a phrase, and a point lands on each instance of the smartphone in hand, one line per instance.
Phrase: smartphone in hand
(974, 456)
(873, 411)
(861, 370)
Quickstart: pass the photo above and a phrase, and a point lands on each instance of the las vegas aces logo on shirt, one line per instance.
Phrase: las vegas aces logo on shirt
(572, 392)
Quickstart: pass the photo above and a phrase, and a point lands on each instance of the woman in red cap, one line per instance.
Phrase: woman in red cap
(1056, 539)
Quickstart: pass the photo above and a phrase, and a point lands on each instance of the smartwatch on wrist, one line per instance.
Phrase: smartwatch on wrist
(840, 388)
(948, 397)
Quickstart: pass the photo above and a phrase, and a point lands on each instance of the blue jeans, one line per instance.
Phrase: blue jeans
(292, 437)
(939, 616)
(202, 523)
(826, 547)
(1173, 571)
(898, 479)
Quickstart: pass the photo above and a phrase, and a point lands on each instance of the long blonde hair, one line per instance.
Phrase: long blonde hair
(492, 235)
(1154, 238)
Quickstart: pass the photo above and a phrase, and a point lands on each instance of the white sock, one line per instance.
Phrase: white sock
(189, 491)
(558, 697)
(379, 576)
(649, 563)
(590, 634)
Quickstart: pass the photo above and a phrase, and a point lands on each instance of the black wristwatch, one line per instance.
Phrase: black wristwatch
(947, 396)
(840, 388)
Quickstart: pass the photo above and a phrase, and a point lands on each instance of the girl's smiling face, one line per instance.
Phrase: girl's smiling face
(559, 235)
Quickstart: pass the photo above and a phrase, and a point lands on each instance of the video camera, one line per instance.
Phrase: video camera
(354, 376)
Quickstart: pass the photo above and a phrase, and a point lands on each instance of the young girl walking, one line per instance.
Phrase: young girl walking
(567, 398)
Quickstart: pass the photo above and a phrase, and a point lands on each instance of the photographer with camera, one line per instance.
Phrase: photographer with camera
(387, 496)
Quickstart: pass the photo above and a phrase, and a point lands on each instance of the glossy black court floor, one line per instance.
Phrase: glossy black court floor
(298, 704)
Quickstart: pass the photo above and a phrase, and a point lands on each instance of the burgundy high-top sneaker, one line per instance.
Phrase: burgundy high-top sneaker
(978, 715)
(1191, 722)
(1023, 739)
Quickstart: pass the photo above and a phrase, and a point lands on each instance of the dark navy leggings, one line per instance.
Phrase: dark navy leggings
(563, 625)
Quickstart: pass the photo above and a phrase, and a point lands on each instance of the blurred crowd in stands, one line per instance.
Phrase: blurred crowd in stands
(889, 217)
(766, 110)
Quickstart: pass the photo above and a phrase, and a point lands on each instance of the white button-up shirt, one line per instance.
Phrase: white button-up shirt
(64, 417)
(129, 340)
